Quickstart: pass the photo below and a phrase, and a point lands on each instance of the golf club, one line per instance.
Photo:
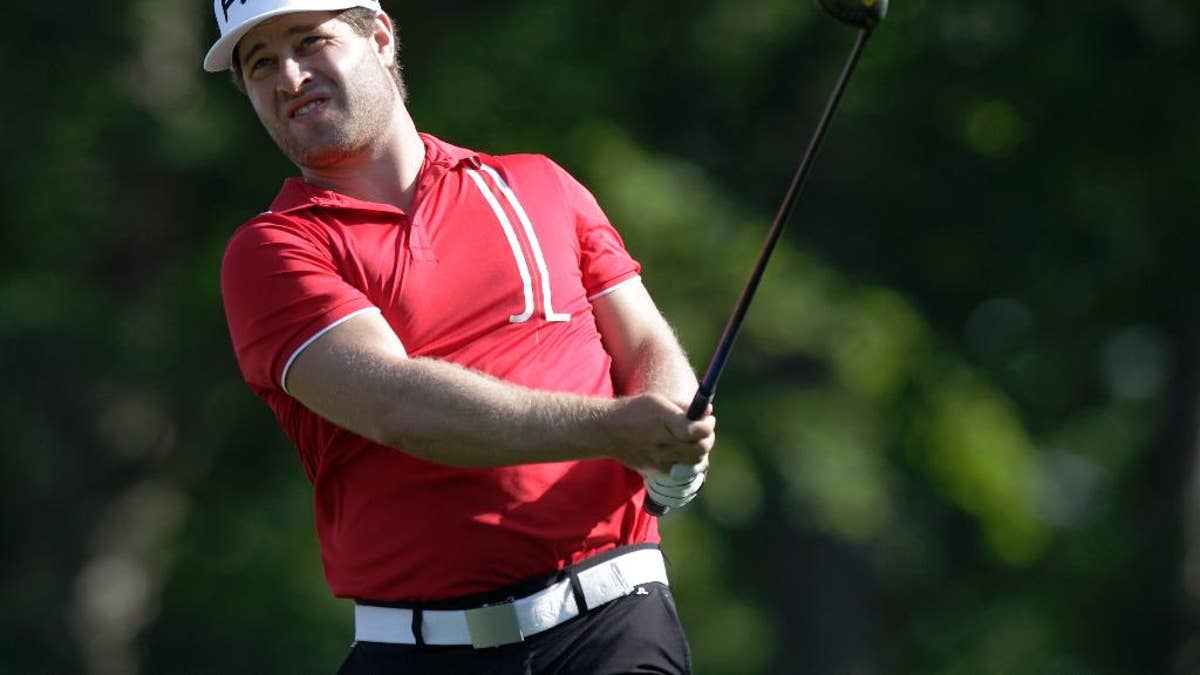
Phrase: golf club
(864, 15)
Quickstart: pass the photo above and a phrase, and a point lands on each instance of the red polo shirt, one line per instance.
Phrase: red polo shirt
(494, 269)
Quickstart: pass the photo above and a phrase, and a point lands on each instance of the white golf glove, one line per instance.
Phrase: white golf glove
(676, 489)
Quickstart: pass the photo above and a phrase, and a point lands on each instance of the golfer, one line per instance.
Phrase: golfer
(462, 353)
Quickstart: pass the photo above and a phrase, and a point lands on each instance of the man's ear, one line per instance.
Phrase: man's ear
(384, 39)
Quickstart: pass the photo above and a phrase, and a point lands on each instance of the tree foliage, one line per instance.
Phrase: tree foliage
(957, 435)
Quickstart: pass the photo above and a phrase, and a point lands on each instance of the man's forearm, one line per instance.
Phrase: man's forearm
(359, 377)
(443, 412)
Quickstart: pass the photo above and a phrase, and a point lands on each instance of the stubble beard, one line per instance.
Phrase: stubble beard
(356, 116)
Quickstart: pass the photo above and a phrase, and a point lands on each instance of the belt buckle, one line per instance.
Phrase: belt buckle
(494, 625)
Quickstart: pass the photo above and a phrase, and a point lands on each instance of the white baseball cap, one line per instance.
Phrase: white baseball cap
(235, 18)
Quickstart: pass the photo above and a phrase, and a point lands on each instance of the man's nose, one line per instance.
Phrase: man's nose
(292, 75)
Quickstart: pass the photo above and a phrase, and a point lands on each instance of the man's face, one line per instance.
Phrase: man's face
(323, 91)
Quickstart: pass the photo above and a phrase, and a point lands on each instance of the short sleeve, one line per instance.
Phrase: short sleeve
(603, 259)
(281, 289)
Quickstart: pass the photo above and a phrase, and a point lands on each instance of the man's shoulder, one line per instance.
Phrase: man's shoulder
(523, 161)
(529, 168)
(271, 220)
(269, 230)
(290, 210)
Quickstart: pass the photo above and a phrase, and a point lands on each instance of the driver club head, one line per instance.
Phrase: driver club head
(865, 14)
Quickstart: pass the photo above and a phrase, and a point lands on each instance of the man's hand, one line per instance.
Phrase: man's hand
(649, 433)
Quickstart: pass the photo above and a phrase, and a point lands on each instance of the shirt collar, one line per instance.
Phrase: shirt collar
(440, 157)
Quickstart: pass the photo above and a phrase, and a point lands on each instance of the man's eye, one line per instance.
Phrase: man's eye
(312, 41)
(259, 64)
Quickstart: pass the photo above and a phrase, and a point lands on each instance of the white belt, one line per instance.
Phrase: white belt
(513, 621)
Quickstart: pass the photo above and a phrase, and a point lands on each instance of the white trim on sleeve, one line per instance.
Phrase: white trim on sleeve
(614, 287)
(288, 366)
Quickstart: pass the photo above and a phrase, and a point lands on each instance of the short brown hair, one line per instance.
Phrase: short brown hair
(362, 20)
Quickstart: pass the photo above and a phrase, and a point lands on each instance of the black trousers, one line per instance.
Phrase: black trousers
(639, 633)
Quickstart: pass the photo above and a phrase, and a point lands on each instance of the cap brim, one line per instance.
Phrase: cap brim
(220, 55)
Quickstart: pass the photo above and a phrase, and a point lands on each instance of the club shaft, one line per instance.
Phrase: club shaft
(708, 385)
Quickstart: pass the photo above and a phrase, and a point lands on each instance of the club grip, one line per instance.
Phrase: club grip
(695, 412)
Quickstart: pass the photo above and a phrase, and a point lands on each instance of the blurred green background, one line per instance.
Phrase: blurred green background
(958, 435)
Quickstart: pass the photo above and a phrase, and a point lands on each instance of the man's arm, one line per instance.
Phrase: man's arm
(646, 354)
(359, 377)
(647, 357)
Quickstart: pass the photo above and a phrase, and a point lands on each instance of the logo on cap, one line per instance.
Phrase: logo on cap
(226, 4)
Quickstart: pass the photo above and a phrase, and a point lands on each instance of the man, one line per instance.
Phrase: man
(441, 333)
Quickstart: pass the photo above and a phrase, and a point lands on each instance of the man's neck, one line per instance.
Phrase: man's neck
(385, 172)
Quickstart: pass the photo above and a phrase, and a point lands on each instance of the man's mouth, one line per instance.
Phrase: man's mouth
(307, 108)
